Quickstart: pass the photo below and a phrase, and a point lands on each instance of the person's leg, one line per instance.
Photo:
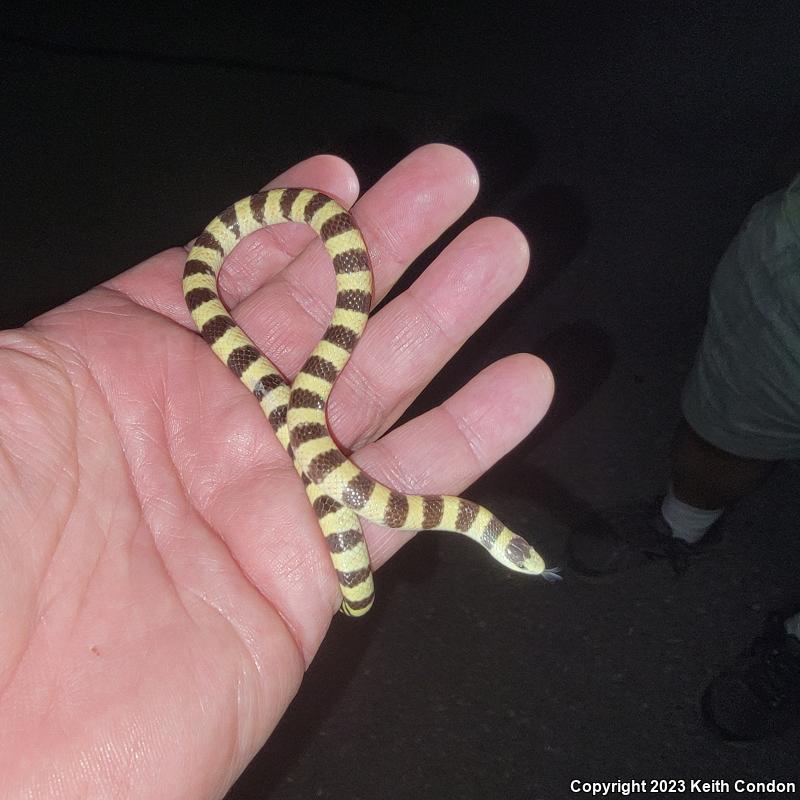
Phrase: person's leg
(739, 406)
(706, 477)
(705, 480)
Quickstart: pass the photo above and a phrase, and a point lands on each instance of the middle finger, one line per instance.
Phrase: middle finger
(409, 340)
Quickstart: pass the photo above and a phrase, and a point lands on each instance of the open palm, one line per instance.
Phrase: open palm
(163, 581)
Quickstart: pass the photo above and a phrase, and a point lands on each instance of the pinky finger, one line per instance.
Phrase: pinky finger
(446, 449)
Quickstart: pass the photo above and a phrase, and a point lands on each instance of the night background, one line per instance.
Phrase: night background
(628, 142)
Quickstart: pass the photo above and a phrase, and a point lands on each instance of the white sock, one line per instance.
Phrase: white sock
(685, 521)
(792, 625)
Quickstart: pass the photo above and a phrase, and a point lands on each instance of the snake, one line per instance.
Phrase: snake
(340, 493)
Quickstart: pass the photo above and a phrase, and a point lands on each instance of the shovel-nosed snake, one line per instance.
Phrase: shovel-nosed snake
(338, 490)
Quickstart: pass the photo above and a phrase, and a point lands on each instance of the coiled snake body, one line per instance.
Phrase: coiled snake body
(338, 490)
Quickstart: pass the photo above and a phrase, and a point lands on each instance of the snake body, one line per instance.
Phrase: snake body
(338, 490)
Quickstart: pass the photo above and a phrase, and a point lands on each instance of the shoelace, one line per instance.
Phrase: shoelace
(676, 551)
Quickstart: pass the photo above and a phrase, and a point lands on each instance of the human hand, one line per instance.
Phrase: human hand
(163, 580)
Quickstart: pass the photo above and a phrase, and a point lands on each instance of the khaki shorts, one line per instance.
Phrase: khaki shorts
(743, 393)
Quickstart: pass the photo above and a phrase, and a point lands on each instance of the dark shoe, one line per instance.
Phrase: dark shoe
(625, 539)
(759, 696)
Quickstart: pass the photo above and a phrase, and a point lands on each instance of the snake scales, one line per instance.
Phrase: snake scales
(338, 490)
